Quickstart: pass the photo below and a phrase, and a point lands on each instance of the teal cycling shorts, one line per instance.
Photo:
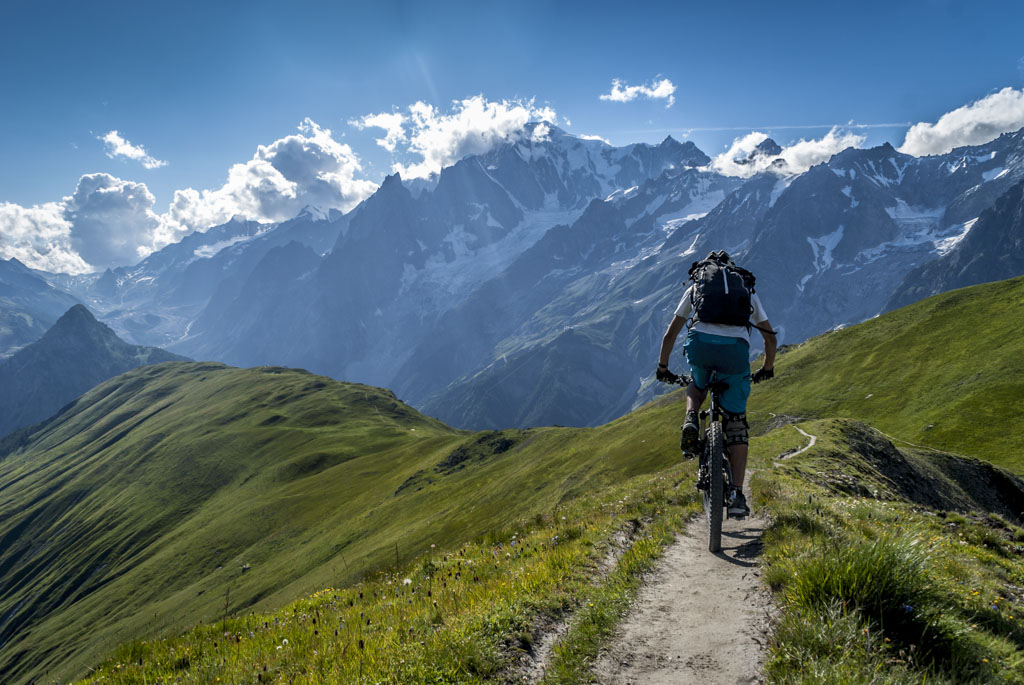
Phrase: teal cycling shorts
(730, 357)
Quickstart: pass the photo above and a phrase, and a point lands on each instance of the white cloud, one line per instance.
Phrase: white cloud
(392, 124)
(973, 124)
(472, 126)
(310, 168)
(39, 237)
(798, 157)
(657, 90)
(112, 220)
(590, 137)
(108, 221)
(105, 222)
(119, 147)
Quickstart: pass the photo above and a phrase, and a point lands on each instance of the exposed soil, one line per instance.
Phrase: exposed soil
(701, 618)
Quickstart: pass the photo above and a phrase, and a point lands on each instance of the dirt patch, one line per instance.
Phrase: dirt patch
(700, 618)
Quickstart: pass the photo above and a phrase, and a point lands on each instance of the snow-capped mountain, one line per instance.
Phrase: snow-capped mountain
(532, 284)
(829, 247)
(156, 301)
(28, 305)
(406, 259)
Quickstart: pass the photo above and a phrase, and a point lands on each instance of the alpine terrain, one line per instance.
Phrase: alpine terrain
(529, 285)
(192, 494)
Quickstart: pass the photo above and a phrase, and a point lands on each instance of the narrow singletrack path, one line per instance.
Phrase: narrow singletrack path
(811, 438)
(701, 617)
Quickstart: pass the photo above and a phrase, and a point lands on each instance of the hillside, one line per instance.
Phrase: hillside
(944, 372)
(74, 354)
(28, 305)
(924, 546)
(134, 511)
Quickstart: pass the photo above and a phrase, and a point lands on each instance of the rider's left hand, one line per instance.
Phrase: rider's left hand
(762, 374)
(666, 376)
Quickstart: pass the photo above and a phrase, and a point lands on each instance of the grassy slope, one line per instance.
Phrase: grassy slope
(877, 579)
(132, 512)
(848, 550)
(944, 372)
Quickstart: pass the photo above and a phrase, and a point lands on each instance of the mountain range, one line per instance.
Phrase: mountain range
(75, 354)
(28, 305)
(530, 285)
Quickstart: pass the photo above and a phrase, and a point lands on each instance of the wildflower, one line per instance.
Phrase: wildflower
(284, 642)
(406, 581)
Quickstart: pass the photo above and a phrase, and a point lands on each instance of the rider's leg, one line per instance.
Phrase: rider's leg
(738, 461)
(694, 397)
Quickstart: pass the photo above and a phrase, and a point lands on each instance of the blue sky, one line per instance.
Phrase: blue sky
(200, 85)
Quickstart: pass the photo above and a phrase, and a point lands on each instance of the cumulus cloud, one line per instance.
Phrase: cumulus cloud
(657, 90)
(742, 157)
(119, 147)
(590, 137)
(973, 124)
(108, 221)
(472, 126)
(308, 168)
(112, 220)
(39, 237)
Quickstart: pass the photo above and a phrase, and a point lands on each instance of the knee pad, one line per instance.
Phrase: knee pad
(735, 428)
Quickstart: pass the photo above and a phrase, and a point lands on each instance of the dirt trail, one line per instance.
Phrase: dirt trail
(701, 617)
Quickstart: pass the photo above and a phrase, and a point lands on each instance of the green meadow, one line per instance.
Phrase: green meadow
(190, 522)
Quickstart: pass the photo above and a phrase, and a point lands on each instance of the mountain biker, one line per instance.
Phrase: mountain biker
(725, 349)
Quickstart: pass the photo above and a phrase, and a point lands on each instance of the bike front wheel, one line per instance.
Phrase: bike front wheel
(713, 495)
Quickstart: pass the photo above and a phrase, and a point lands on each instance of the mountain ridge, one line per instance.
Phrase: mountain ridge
(75, 354)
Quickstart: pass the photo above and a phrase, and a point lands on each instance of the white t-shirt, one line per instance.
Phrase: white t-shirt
(685, 309)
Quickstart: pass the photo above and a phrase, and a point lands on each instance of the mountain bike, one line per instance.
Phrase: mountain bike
(714, 472)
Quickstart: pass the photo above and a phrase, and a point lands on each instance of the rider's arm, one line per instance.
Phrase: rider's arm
(669, 341)
(770, 343)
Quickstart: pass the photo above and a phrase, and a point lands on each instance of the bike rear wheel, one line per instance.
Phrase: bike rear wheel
(713, 495)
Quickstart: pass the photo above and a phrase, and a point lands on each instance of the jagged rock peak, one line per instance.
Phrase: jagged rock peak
(392, 180)
(767, 147)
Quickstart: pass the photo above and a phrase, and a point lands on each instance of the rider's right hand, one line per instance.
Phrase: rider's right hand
(762, 374)
(666, 376)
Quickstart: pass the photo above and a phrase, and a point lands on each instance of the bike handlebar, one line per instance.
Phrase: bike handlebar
(682, 380)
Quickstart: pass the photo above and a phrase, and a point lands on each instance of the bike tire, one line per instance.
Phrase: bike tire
(713, 495)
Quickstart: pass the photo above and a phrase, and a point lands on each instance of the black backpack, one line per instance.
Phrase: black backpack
(721, 291)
